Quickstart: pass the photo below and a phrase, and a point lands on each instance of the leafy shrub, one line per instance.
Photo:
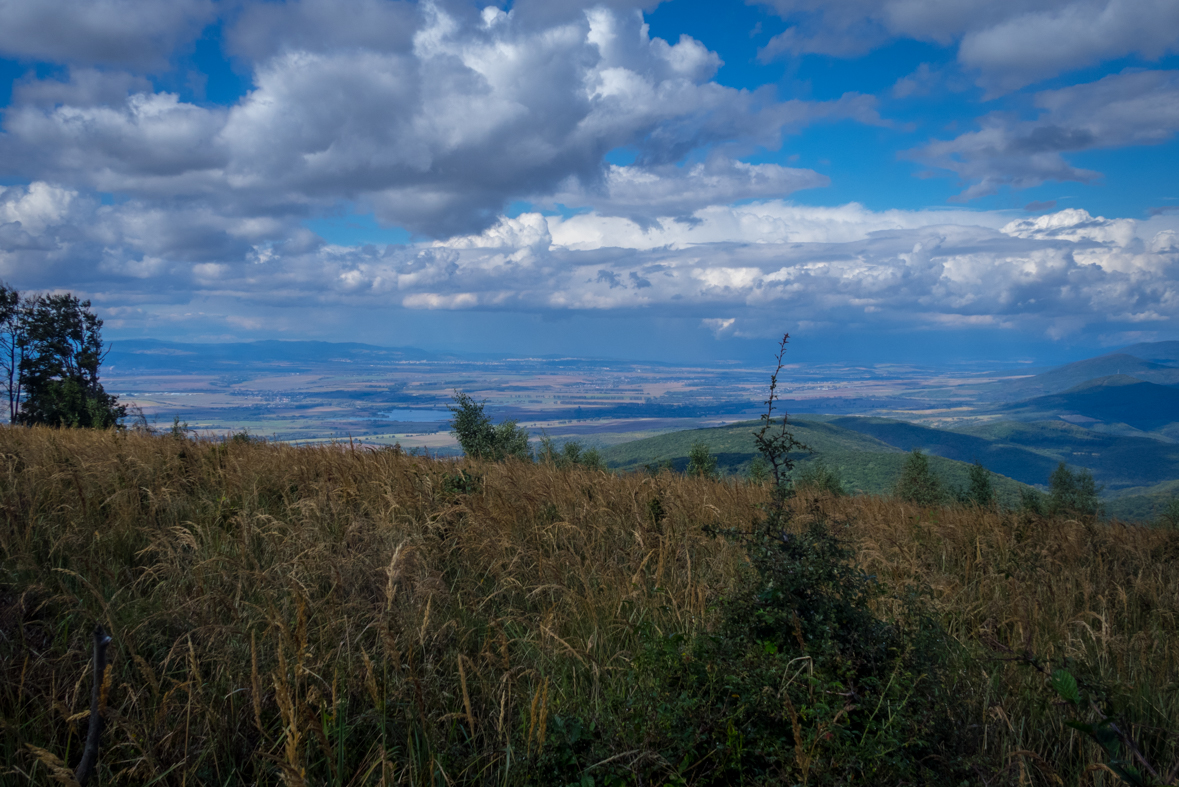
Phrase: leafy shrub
(480, 439)
(801, 681)
(818, 476)
(572, 453)
(461, 483)
(701, 462)
(1032, 501)
(1170, 515)
(919, 483)
(981, 492)
(1072, 494)
(759, 470)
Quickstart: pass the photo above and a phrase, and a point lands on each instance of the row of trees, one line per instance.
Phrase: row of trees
(50, 351)
(1070, 493)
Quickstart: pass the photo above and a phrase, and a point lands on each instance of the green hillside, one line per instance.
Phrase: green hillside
(864, 463)
(1070, 375)
(1117, 399)
(1013, 461)
(1117, 461)
(1140, 475)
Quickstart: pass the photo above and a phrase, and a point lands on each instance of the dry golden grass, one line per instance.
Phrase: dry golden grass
(328, 615)
(1103, 596)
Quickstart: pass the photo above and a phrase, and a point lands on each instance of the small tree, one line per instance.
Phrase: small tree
(759, 470)
(982, 491)
(1031, 501)
(701, 462)
(481, 439)
(571, 453)
(819, 477)
(60, 348)
(918, 483)
(1073, 494)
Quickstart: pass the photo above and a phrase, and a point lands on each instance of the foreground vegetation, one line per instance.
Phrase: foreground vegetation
(337, 616)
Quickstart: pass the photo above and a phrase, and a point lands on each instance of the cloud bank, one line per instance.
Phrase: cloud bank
(1005, 44)
(488, 135)
(747, 269)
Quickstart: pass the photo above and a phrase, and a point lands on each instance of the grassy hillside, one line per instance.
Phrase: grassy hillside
(853, 447)
(308, 616)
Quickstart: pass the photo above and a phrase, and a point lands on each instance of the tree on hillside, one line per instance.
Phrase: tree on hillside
(918, 483)
(1073, 494)
(481, 439)
(701, 462)
(982, 491)
(50, 351)
(572, 453)
(819, 477)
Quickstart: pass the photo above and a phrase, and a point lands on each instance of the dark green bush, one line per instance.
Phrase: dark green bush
(919, 483)
(801, 681)
(1073, 495)
(981, 492)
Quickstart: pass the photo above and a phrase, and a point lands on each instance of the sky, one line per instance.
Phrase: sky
(886, 180)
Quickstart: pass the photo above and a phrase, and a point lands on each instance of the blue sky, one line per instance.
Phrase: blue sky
(885, 179)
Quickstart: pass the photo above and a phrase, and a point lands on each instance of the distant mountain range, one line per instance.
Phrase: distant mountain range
(1071, 375)
(1159, 352)
(1116, 399)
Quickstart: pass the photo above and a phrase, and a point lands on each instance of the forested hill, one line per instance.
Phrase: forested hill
(1137, 473)
(864, 462)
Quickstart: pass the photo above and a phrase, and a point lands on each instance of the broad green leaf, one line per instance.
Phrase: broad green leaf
(1066, 686)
